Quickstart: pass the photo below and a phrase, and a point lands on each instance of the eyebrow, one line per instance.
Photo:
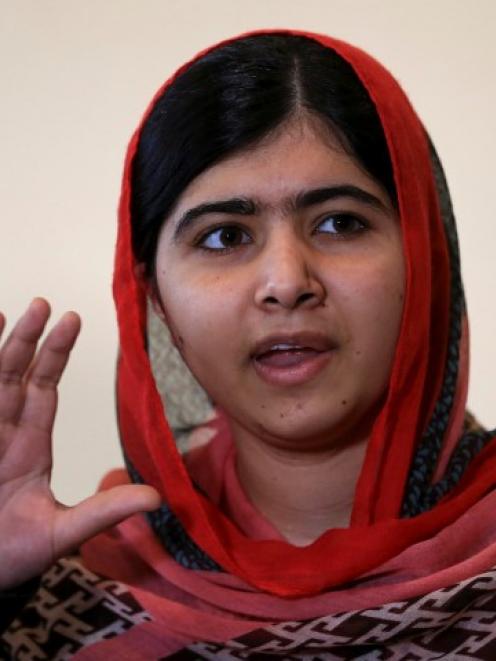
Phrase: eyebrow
(303, 200)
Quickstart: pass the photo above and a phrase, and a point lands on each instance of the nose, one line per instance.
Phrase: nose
(287, 277)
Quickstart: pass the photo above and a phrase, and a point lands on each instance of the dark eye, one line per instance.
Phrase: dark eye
(224, 238)
(341, 224)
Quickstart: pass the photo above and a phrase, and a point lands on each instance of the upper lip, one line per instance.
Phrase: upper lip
(301, 340)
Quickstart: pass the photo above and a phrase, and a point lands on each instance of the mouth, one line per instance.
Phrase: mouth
(291, 359)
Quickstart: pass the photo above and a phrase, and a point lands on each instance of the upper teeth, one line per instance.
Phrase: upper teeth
(283, 347)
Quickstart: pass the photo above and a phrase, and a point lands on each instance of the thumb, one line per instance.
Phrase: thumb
(75, 525)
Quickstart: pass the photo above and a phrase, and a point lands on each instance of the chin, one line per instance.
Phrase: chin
(301, 426)
(298, 431)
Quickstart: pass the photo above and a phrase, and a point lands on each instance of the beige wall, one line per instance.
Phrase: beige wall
(75, 77)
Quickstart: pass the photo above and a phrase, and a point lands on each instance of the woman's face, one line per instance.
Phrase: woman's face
(281, 274)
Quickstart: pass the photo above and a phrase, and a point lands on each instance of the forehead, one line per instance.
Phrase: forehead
(299, 155)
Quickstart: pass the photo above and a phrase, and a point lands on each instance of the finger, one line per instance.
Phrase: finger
(47, 369)
(105, 509)
(16, 356)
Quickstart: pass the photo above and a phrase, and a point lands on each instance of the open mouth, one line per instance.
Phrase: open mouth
(287, 357)
(292, 362)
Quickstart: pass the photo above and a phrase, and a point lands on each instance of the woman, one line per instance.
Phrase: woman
(286, 217)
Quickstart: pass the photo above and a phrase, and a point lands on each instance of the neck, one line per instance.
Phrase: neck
(301, 494)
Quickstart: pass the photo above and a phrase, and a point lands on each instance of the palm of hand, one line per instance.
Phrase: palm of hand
(36, 529)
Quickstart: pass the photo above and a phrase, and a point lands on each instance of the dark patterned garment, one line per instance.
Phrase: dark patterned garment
(75, 608)
(455, 624)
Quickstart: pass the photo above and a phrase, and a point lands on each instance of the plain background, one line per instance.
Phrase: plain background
(76, 76)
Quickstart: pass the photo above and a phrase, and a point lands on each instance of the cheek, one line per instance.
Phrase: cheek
(203, 312)
(371, 301)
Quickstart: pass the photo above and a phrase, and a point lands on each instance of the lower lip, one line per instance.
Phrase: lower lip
(296, 374)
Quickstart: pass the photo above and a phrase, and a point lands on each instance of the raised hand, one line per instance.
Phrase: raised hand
(35, 529)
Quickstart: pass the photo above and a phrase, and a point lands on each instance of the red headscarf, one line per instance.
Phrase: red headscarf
(378, 533)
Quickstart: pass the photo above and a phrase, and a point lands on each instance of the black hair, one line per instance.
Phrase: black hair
(229, 100)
